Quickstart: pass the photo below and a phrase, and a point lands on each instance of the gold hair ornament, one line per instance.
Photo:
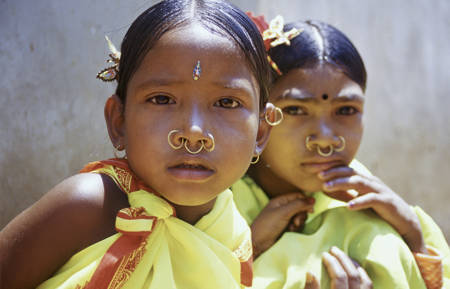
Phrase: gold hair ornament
(277, 121)
(111, 73)
(276, 32)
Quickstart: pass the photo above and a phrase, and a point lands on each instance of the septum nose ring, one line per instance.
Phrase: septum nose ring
(332, 148)
(185, 142)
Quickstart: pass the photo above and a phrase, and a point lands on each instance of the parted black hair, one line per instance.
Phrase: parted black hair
(320, 42)
(215, 15)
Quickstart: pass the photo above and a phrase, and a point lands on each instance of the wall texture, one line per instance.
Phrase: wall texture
(51, 105)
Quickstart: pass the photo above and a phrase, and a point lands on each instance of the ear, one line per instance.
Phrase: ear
(115, 121)
(264, 127)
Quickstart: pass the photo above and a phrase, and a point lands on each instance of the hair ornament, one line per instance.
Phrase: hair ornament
(110, 73)
(276, 32)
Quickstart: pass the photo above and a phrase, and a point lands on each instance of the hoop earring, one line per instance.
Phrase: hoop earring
(320, 152)
(169, 140)
(278, 111)
(213, 145)
(256, 160)
(193, 152)
(307, 144)
(342, 147)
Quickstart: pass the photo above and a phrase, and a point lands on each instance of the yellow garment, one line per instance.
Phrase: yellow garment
(173, 253)
(363, 235)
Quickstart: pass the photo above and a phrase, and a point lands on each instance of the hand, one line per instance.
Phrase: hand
(275, 217)
(343, 271)
(371, 192)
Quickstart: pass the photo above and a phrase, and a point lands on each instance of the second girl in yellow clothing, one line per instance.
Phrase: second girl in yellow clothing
(320, 87)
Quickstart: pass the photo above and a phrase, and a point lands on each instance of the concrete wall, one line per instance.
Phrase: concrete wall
(51, 105)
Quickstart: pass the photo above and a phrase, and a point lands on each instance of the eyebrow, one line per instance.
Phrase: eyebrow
(297, 94)
(348, 98)
(158, 82)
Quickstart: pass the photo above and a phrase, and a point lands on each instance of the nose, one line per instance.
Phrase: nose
(323, 136)
(194, 131)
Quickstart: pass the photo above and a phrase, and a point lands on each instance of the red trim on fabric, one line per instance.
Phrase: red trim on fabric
(128, 217)
(247, 272)
(110, 262)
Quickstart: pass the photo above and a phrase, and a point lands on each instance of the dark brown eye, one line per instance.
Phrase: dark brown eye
(227, 103)
(347, 110)
(294, 110)
(161, 99)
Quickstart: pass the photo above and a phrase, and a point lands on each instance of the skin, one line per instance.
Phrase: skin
(161, 96)
(323, 103)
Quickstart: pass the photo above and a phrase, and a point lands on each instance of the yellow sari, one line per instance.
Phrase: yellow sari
(154, 249)
(361, 234)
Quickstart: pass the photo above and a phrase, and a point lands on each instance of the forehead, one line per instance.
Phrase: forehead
(177, 52)
(315, 81)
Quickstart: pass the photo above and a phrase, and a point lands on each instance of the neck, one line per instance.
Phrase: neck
(271, 184)
(191, 214)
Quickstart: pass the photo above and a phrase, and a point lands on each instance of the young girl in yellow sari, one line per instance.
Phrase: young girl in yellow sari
(189, 115)
(319, 87)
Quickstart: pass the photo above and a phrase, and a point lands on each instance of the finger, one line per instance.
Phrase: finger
(294, 207)
(359, 183)
(364, 202)
(286, 199)
(366, 282)
(297, 222)
(342, 171)
(311, 281)
(335, 271)
(344, 196)
(348, 265)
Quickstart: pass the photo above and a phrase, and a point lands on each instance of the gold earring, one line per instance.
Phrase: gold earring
(193, 152)
(213, 144)
(255, 161)
(325, 154)
(169, 140)
(278, 111)
(342, 147)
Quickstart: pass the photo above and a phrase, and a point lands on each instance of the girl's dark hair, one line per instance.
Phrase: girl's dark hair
(320, 43)
(217, 16)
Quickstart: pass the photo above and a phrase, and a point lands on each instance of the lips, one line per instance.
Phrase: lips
(317, 166)
(191, 171)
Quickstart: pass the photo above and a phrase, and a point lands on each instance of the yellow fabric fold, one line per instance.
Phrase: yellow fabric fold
(174, 254)
(363, 235)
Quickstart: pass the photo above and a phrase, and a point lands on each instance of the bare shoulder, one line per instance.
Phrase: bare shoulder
(73, 215)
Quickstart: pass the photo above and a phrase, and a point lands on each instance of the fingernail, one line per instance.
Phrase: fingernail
(311, 201)
(351, 204)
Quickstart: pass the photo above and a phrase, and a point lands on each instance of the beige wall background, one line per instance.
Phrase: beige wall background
(51, 105)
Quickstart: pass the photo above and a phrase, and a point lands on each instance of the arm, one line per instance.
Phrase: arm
(275, 217)
(73, 215)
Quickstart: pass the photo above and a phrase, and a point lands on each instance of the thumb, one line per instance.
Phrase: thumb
(311, 281)
(363, 202)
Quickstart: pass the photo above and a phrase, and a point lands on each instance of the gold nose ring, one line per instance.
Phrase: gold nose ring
(213, 144)
(169, 140)
(319, 150)
(193, 152)
(342, 147)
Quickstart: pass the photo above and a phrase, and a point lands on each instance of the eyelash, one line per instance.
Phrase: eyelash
(234, 103)
(294, 110)
(166, 99)
(344, 110)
